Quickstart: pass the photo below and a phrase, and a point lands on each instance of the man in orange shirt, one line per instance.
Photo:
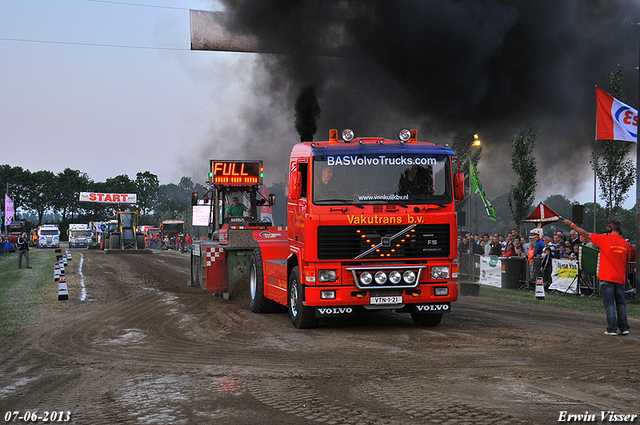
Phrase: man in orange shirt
(612, 273)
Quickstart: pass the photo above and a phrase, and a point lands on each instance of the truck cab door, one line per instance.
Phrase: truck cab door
(297, 204)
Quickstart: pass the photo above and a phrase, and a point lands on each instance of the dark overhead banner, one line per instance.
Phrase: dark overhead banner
(208, 32)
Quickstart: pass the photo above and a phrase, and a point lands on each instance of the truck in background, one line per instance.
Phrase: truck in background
(14, 230)
(79, 235)
(169, 230)
(48, 236)
(371, 225)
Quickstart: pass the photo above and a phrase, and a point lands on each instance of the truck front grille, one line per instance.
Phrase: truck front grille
(352, 242)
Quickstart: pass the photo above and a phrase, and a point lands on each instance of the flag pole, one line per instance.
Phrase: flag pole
(637, 277)
(595, 166)
(472, 239)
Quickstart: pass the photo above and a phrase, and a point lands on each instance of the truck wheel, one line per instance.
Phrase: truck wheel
(426, 319)
(114, 242)
(302, 317)
(140, 241)
(258, 303)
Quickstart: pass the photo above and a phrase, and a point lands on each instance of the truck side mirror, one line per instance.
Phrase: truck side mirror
(458, 186)
(295, 185)
(272, 199)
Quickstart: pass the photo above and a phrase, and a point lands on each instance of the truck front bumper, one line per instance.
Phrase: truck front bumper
(444, 292)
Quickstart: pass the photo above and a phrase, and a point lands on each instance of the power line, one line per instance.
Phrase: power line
(137, 4)
(121, 46)
(75, 43)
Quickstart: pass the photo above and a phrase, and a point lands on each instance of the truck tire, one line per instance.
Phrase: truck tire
(426, 319)
(114, 242)
(258, 303)
(140, 241)
(302, 317)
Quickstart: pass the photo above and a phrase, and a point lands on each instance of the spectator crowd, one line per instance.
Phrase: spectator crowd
(559, 245)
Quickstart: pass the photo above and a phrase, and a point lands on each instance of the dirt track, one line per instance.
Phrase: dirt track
(145, 348)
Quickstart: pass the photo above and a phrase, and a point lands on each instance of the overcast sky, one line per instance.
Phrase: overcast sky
(74, 96)
(111, 88)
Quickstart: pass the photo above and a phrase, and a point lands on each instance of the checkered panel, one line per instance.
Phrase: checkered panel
(212, 254)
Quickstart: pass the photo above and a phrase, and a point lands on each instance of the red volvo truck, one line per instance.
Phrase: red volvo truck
(371, 225)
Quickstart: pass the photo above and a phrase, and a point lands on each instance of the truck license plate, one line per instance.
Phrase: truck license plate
(386, 300)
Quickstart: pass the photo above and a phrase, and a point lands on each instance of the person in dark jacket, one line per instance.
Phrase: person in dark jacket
(479, 249)
(23, 248)
(496, 248)
(547, 266)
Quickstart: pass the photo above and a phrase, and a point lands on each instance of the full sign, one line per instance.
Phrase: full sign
(236, 173)
(109, 198)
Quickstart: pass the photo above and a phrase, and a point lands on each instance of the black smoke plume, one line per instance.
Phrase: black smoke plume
(307, 112)
(450, 67)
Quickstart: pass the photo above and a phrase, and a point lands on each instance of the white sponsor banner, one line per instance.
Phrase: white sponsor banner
(564, 275)
(201, 215)
(491, 271)
(109, 198)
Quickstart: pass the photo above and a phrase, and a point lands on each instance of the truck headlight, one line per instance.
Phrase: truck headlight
(366, 278)
(409, 277)
(327, 276)
(380, 277)
(395, 277)
(441, 272)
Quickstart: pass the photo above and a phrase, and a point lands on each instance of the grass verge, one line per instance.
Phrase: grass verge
(22, 290)
(557, 299)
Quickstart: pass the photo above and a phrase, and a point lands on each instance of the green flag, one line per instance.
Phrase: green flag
(476, 187)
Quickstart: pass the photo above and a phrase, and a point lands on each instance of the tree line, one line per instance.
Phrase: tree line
(44, 193)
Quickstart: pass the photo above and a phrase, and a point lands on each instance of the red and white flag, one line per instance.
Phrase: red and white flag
(615, 120)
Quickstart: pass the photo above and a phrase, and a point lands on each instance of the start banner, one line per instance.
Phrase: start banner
(109, 198)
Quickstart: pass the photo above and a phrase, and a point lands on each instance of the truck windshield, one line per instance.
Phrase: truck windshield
(127, 220)
(172, 228)
(381, 179)
(81, 233)
(48, 232)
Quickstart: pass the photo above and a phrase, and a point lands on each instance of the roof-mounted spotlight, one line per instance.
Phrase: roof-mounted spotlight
(381, 142)
(405, 135)
(348, 135)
